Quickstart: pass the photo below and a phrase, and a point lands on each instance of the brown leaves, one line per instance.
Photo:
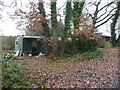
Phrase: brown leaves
(47, 40)
(30, 18)
(86, 29)
(100, 73)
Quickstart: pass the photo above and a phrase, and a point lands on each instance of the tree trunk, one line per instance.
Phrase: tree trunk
(67, 17)
(77, 12)
(113, 24)
(54, 27)
(46, 29)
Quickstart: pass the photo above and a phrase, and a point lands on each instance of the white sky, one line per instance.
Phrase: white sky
(8, 26)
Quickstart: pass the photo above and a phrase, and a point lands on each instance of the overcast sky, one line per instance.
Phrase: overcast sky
(8, 26)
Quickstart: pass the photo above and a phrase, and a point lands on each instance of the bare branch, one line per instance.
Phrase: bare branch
(106, 15)
(103, 13)
(14, 1)
(62, 6)
(95, 13)
(91, 15)
(105, 6)
(104, 21)
(97, 3)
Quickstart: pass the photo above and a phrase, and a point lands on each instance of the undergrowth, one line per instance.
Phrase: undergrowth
(93, 55)
(65, 57)
(16, 76)
(84, 56)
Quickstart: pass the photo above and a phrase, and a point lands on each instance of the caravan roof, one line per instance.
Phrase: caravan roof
(32, 36)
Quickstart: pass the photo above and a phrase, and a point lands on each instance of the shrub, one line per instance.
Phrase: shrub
(92, 55)
(84, 45)
(84, 38)
(107, 44)
(15, 76)
(70, 47)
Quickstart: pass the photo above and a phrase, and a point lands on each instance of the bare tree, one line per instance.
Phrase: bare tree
(97, 19)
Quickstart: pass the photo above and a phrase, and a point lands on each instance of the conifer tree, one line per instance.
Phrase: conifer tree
(77, 12)
(54, 26)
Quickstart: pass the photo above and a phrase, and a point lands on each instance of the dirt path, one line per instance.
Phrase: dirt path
(100, 73)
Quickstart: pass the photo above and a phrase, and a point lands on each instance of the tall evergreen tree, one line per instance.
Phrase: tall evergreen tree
(67, 18)
(113, 24)
(46, 29)
(54, 26)
(45, 25)
(77, 12)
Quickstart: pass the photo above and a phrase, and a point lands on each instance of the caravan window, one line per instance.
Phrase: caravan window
(16, 43)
